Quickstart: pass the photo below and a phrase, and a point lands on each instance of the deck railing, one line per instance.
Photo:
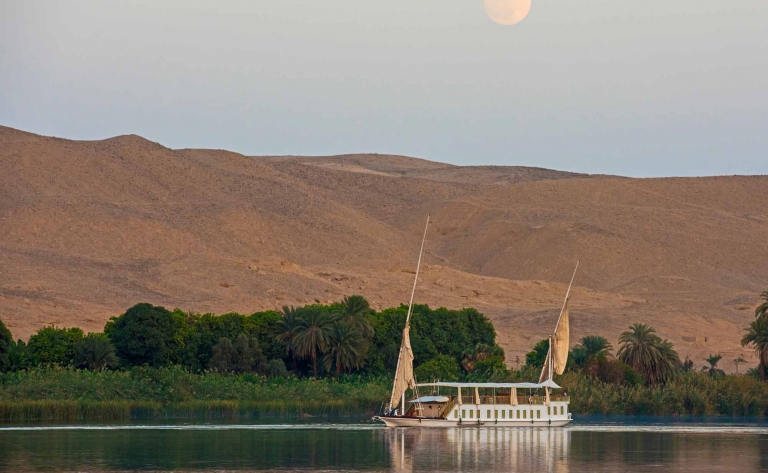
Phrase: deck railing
(504, 400)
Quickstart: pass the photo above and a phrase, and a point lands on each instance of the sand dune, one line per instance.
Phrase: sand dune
(88, 228)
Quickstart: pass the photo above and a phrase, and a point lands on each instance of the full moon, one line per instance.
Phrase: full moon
(507, 12)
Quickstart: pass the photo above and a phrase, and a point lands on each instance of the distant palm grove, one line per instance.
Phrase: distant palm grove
(338, 359)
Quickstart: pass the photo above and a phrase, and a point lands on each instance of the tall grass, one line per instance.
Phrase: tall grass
(692, 393)
(62, 394)
(72, 395)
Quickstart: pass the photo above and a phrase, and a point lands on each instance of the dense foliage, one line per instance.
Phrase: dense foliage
(6, 345)
(314, 340)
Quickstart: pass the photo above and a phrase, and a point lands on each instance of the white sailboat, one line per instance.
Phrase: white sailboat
(480, 404)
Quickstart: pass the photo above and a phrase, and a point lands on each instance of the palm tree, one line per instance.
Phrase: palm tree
(312, 334)
(712, 369)
(739, 361)
(289, 322)
(757, 336)
(95, 352)
(354, 310)
(762, 310)
(345, 348)
(591, 346)
(648, 354)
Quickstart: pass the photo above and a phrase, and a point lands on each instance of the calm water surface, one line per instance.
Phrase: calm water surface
(590, 446)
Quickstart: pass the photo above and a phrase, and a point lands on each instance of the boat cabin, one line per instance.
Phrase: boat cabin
(490, 402)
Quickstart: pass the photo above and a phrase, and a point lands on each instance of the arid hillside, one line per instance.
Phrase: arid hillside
(89, 228)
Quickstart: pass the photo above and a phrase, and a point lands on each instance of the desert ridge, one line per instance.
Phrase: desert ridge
(89, 228)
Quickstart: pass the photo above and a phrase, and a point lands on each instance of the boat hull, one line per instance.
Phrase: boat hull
(398, 421)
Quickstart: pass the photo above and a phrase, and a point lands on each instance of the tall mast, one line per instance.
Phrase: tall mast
(399, 372)
(416, 279)
(567, 293)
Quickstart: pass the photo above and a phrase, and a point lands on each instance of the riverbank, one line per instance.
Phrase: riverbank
(165, 393)
(76, 395)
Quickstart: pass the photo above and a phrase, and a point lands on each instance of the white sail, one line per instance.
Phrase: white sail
(404, 378)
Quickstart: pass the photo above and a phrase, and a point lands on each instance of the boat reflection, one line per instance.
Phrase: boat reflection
(478, 449)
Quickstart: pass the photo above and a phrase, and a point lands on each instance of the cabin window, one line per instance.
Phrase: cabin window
(471, 414)
(456, 414)
(495, 414)
(518, 413)
(549, 411)
(525, 413)
(463, 414)
(489, 414)
(562, 410)
(538, 413)
(503, 414)
(478, 413)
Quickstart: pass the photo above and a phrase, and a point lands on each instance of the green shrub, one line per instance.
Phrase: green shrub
(54, 346)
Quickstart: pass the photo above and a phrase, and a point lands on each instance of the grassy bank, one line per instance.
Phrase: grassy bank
(62, 394)
(693, 393)
(78, 395)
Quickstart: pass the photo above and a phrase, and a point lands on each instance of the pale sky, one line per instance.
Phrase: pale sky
(630, 87)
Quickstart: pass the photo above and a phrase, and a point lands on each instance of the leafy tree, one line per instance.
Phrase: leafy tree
(276, 369)
(489, 369)
(757, 337)
(19, 357)
(312, 334)
(482, 352)
(95, 352)
(147, 335)
(712, 369)
(250, 359)
(612, 371)
(536, 357)
(441, 367)
(591, 346)
(452, 333)
(648, 354)
(344, 348)
(224, 357)
(6, 345)
(244, 356)
(54, 346)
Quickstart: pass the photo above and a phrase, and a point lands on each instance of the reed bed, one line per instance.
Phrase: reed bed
(141, 393)
(694, 394)
(72, 395)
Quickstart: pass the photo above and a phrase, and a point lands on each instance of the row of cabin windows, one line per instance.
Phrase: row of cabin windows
(517, 413)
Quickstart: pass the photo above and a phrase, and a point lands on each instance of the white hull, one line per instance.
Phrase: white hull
(396, 421)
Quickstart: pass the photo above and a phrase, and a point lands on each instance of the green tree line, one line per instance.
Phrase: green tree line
(310, 341)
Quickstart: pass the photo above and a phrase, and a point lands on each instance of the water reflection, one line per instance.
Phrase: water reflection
(479, 449)
(366, 447)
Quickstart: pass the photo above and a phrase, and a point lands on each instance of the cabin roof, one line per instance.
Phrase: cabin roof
(546, 384)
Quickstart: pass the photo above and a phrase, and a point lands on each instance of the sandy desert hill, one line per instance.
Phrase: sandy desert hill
(89, 228)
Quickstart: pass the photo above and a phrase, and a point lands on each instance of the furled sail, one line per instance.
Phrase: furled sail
(404, 375)
(546, 370)
(559, 342)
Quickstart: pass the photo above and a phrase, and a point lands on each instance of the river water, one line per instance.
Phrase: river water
(586, 446)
